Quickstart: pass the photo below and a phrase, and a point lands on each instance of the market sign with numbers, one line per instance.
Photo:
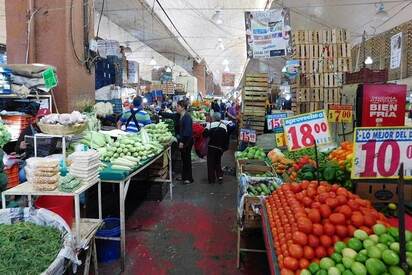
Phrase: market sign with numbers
(304, 130)
(378, 152)
(340, 113)
(275, 120)
(247, 135)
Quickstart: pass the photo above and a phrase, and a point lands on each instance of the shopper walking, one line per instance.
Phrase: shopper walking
(185, 139)
(216, 131)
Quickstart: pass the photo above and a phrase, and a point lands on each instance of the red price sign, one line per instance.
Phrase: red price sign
(247, 135)
(380, 151)
(303, 131)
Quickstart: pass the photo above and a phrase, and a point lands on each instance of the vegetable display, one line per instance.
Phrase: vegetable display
(96, 140)
(198, 116)
(343, 155)
(26, 248)
(373, 254)
(64, 119)
(307, 219)
(253, 152)
(159, 132)
(262, 188)
(5, 135)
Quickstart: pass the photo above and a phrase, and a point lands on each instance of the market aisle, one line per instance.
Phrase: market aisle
(193, 234)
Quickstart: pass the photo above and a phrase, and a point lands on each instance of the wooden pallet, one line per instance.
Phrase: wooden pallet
(256, 84)
(256, 89)
(333, 36)
(257, 79)
(310, 66)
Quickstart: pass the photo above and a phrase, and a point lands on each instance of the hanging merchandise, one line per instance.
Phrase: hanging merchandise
(267, 33)
(291, 69)
(396, 51)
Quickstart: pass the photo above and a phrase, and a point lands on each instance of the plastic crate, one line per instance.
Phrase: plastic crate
(12, 174)
(366, 75)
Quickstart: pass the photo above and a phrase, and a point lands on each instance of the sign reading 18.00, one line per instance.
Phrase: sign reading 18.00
(304, 130)
(380, 151)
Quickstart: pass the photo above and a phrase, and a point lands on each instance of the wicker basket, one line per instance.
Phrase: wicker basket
(57, 129)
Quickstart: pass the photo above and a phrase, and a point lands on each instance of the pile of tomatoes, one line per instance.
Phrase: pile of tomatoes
(308, 218)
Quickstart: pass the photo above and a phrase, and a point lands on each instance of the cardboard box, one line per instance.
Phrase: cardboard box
(381, 192)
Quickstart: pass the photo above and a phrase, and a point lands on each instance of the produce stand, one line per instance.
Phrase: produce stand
(124, 187)
(268, 237)
(83, 229)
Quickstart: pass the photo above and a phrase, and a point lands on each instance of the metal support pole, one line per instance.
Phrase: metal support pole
(99, 190)
(401, 217)
(77, 218)
(3, 200)
(122, 225)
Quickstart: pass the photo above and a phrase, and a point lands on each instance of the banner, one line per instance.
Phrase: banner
(396, 51)
(228, 79)
(268, 33)
(383, 105)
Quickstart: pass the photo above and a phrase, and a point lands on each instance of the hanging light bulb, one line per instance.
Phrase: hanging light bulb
(368, 60)
(225, 62)
(152, 62)
(168, 69)
(217, 18)
(381, 14)
(219, 45)
(226, 70)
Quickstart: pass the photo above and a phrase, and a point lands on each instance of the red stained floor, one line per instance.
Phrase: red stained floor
(193, 234)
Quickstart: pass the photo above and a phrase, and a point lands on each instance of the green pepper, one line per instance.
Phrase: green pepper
(329, 173)
(340, 175)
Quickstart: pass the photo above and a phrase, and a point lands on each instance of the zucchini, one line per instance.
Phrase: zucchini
(264, 188)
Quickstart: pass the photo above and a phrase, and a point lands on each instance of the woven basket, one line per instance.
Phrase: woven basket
(57, 129)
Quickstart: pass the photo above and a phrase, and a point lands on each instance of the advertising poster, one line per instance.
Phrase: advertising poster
(228, 79)
(396, 51)
(383, 105)
(268, 33)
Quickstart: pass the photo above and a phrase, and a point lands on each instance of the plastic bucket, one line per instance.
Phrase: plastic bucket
(108, 250)
(61, 205)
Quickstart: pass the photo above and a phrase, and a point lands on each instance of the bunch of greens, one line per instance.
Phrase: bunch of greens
(27, 248)
(4, 135)
(310, 152)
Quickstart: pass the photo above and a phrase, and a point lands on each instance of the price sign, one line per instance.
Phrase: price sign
(303, 130)
(275, 120)
(340, 113)
(280, 139)
(247, 135)
(378, 152)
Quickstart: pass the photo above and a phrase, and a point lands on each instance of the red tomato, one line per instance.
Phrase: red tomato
(346, 211)
(326, 241)
(330, 250)
(337, 218)
(341, 231)
(315, 204)
(342, 191)
(303, 263)
(307, 201)
(369, 220)
(290, 263)
(328, 229)
(323, 197)
(285, 271)
(331, 202)
(357, 220)
(314, 215)
(313, 241)
(311, 192)
(300, 238)
(320, 252)
(295, 251)
(353, 204)
(304, 184)
(308, 252)
(335, 238)
(366, 229)
(325, 211)
(317, 229)
(351, 230)
(341, 199)
(305, 225)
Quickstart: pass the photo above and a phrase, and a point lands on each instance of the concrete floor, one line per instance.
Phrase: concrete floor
(193, 234)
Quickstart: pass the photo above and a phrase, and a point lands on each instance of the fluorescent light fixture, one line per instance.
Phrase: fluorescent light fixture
(368, 60)
(219, 45)
(168, 69)
(152, 62)
(217, 18)
(226, 70)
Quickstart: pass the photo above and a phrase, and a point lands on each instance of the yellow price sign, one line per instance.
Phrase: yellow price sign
(280, 139)
(340, 113)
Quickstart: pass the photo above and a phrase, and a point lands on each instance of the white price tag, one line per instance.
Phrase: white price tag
(247, 135)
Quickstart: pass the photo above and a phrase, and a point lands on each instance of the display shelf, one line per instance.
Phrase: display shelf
(32, 97)
(270, 248)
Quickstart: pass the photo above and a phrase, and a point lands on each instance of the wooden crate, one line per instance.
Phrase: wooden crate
(253, 84)
(332, 95)
(256, 89)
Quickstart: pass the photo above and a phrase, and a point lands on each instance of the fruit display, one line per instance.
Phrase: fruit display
(307, 219)
(279, 162)
(374, 253)
(198, 116)
(253, 152)
(159, 132)
(262, 188)
(343, 155)
(5, 135)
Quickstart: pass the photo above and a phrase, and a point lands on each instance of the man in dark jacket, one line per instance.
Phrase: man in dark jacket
(185, 140)
(218, 143)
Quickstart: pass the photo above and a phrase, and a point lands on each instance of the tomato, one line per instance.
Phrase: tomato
(335, 239)
(304, 184)
(314, 215)
(341, 199)
(295, 251)
(307, 201)
(328, 229)
(351, 230)
(313, 241)
(323, 197)
(320, 252)
(317, 229)
(337, 218)
(285, 271)
(303, 263)
(353, 204)
(305, 225)
(342, 191)
(346, 211)
(357, 220)
(330, 250)
(341, 231)
(369, 220)
(331, 202)
(290, 263)
(325, 241)
(300, 238)
(316, 204)
(311, 192)
(308, 252)
(366, 229)
(325, 211)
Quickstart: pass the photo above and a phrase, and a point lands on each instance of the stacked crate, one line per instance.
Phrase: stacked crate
(324, 56)
(255, 95)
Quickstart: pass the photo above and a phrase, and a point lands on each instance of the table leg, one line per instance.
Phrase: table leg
(94, 253)
(169, 156)
(99, 190)
(30, 202)
(77, 218)
(3, 200)
(122, 225)
(87, 262)
(238, 248)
